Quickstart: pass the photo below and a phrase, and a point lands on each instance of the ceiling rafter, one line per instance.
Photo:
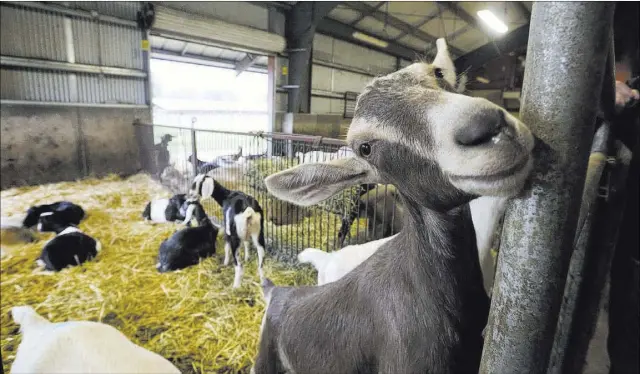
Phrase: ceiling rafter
(398, 24)
(422, 22)
(463, 15)
(342, 31)
(366, 14)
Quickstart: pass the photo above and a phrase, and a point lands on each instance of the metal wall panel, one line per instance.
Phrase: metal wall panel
(120, 9)
(40, 34)
(110, 90)
(322, 78)
(236, 12)
(85, 41)
(121, 46)
(32, 33)
(34, 85)
(332, 50)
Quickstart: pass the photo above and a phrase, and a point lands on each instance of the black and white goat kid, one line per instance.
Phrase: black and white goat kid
(243, 221)
(66, 212)
(173, 209)
(70, 247)
(187, 246)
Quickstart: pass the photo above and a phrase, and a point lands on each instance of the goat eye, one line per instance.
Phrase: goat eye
(438, 73)
(365, 149)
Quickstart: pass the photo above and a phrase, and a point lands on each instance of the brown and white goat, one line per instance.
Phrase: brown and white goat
(417, 305)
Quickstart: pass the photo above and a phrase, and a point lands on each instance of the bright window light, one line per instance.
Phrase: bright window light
(494, 22)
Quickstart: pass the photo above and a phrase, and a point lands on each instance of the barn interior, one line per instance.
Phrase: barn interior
(113, 104)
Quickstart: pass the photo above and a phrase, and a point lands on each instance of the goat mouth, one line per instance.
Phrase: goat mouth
(513, 170)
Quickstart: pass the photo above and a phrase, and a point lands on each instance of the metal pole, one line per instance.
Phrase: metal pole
(194, 148)
(559, 102)
(590, 261)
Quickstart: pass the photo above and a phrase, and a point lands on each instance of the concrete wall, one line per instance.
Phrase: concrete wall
(50, 144)
(326, 125)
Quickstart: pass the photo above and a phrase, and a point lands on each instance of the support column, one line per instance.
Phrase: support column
(300, 28)
(566, 54)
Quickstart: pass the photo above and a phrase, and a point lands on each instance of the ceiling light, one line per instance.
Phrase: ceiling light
(494, 22)
(482, 80)
(370, 39)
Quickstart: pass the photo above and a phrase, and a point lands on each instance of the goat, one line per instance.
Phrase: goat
(14, 232)
(382, 207)
(486, 212)
(204, 167)
(70, 247)
(80, 347)
(187, 246)
(332, 266)
(167, 210)
(66, 211)
(315, 156)
(422, 311)
(243, 221)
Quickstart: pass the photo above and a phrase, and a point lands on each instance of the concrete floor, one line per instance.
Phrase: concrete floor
(597, 356)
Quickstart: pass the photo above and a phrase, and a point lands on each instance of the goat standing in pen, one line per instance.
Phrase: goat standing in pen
(243, 221)
(417, 304)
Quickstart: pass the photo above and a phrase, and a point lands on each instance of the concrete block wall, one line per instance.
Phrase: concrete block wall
(51, 144)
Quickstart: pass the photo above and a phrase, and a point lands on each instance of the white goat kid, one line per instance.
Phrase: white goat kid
(81, 347)
(417, 305)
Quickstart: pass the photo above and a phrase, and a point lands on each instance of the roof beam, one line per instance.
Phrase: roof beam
(480, 56)
(422, 22)
(366, 14)
(339, 30)
(463, 15)
(398, 24)
(245, 63)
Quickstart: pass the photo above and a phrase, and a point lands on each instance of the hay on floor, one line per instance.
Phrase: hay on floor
(192, 317)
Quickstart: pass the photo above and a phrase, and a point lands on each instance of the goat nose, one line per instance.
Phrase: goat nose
(481, 128)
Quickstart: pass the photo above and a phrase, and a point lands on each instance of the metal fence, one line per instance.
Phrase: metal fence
(241, 161)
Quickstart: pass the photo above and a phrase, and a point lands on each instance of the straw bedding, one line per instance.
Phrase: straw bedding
(192, 317)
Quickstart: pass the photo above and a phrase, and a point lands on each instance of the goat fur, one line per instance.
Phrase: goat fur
(81, 347)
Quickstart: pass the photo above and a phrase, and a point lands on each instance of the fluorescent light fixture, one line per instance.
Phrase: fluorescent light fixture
(494, 22)
(482, 80)
(370, 39)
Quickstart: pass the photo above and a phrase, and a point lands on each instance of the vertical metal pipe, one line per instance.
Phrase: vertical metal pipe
(271, 99)
(590, 261)
(560, 97)
(194, 148)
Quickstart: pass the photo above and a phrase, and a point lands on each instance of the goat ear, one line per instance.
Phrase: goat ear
(444, 62)
(207, 187)
(309, 184)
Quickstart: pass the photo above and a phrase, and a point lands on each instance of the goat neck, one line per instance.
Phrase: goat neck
(442, 261)
(220, 193)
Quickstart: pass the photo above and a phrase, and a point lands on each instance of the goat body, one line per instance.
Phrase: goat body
(13, 230)
(166, 210)
(81, 347)
(243, 221)
(66, 211)
(366, 331)
(70, 247)
(187, 246)
(486, 213)
(332, 266)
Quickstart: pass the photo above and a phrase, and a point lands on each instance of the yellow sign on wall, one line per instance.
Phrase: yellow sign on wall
(145, 45)
(285, 70)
